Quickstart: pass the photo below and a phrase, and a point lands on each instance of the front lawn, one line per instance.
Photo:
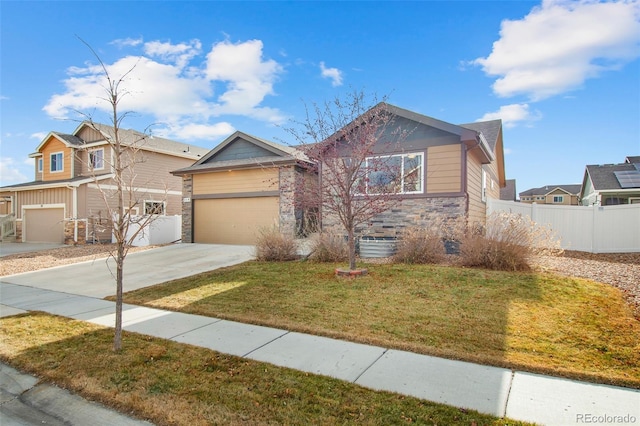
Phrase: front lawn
(528, 321)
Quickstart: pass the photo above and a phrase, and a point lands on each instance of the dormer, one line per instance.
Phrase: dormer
(54, 157)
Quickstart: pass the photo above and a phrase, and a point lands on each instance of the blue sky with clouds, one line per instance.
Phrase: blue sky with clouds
(564, 76)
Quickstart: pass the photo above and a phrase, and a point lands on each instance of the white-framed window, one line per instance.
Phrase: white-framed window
(40, 166)
(484, 186)
(154, 207)
(57, 162)
(558, 198)
(96, 159)
(394, 174)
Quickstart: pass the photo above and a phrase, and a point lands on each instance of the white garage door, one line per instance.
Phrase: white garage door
(233, 220)
(43, 225)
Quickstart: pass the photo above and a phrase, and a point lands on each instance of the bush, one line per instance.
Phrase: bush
(328, 248)
(420, 245)
(507, 243)
(271, 245)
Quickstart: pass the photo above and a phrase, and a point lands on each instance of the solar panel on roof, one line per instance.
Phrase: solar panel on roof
(628, 178)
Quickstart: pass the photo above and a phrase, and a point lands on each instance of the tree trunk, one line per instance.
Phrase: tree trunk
(352, 249)
(117, 340)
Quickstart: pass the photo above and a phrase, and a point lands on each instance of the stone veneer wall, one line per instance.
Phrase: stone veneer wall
(410, 212)
(290, 182)
(187, 209)
(70, 231)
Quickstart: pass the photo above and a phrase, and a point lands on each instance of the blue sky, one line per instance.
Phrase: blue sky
(564, 76)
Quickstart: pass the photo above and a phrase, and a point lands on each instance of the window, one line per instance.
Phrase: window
(153, 207)
(40, 165)
(484, 185)
(558, 198)
(394, 174)
(96, 159)
(57, 162)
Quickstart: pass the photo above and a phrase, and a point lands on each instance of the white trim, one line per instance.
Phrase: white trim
(147, 190)
(164, 207)
(40, 164)
(90, 160)
(51, 162)
(76, 184)
(402, 171)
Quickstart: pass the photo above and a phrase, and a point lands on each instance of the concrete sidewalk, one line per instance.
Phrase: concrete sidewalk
(497, 391)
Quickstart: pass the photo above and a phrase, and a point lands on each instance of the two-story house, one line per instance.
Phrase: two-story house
(552, 194)
(71, 198)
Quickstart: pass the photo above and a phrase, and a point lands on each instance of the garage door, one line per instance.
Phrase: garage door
(43, 225)
(233, 220)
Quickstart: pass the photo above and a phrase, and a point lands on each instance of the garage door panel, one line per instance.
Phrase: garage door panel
(44, 225)
(233, 220)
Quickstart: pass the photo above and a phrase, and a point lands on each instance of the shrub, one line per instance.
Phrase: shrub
(271, 245)
(420, 245)
(327, 247)
(507, 243)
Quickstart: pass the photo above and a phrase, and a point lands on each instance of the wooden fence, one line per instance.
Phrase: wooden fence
(595, 229)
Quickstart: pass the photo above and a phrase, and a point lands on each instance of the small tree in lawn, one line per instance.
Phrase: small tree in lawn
(121, 195)
(347, 139)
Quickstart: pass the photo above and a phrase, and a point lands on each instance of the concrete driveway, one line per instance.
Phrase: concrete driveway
(7, 248)
(142, 269)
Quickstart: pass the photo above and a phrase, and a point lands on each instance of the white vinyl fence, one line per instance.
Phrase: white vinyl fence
(162, 230)
(595, 229)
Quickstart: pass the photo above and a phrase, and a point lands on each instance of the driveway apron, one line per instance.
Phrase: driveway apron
(96, 278)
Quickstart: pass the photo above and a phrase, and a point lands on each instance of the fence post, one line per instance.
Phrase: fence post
(534, 211)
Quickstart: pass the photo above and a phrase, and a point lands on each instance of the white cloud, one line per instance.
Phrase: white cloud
(10, 173)
(334, 74)
(193, 131)
(512, 115)
(127, 42)
(249, 78)
(562, 43)
(38, 135)
(169, 83)
(180, 54)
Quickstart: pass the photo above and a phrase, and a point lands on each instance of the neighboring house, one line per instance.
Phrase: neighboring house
(73, 173)
(245, 182)
(552, 194)
(612, 184)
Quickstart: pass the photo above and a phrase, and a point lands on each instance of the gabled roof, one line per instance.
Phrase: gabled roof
(572, 189)
(603, 177)
(71, 141)
(632, 159)
(128, 137)
(272, 153)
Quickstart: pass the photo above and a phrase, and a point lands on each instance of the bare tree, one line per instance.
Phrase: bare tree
(349, 141)
(122, 198)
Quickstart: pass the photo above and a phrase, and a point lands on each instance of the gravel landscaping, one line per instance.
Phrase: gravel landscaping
(621, 270)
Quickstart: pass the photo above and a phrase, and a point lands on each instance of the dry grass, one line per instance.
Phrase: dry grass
(328, 248)
(507, 242)
(274, 246)
(420, 245)
(536, 322)
(176, 384)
